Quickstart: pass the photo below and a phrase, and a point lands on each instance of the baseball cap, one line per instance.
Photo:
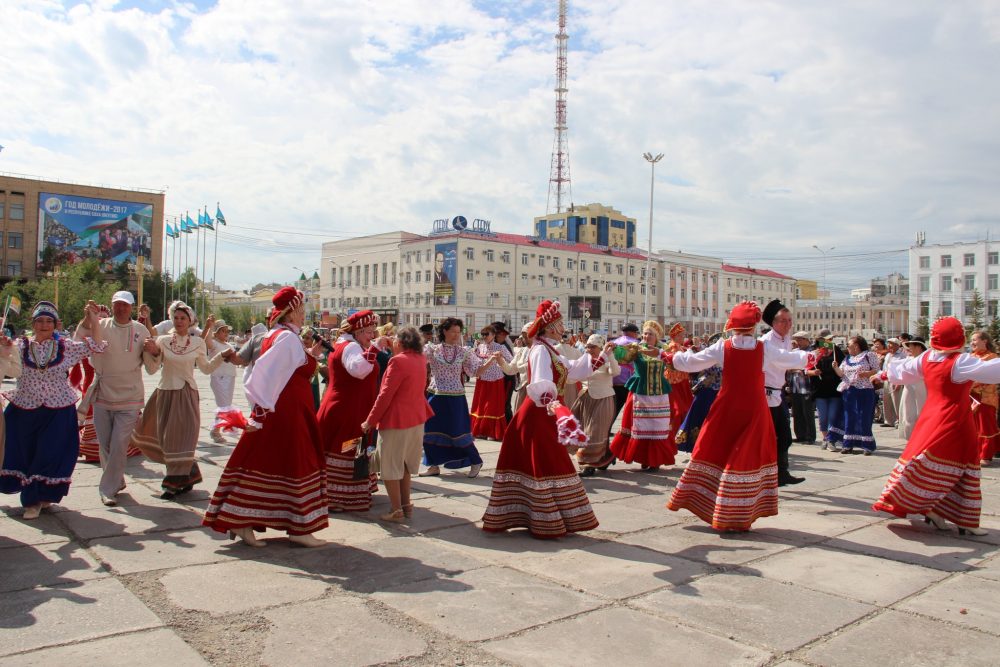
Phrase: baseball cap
(124, 296)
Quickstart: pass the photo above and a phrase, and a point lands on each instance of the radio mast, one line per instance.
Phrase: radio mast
(559, 183)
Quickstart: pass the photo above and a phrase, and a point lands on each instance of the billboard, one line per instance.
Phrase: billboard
(81, 228)
(445, 267)
(585, 308)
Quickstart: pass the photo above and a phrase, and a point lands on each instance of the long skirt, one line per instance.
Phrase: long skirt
(343, 492)
(687, 434)
(985, 417)
(275, 477)
(536, 484)
(859, 410)
(448, 437)
(910, 403)
(595, 415)
(168, 433)
(644, 436)
(42, 446)
(90, 446)
(488, 416)
(681, 398)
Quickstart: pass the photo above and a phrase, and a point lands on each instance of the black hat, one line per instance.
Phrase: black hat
(427, 328)
(499, 327)
(631, 327)
(770, 310)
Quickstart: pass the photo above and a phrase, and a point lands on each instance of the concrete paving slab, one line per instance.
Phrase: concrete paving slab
(755, 610)
(621, 637)
(335, 631)
(621, 516)
(503, 548)
(699, 543)
(987, 569)
(46, 529)
(224, 588)
(156, 551)
(864, 578)
(818, 482)
(914, 543)
(88, 498)
(132, 519)
(614, 570)
(40, 617)
(493, 602)
(382, 564)
(149, 647)
(351, 529)
(868, 490)
(47, 565)
(437, 513)
(804, 522)
(894, 639)
(647, 502)
(961, 600)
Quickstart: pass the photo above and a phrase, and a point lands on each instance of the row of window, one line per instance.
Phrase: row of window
(14, 240)
(968, 282)
(945, 308)
(14, 211)
(968, 259)
(364, 275)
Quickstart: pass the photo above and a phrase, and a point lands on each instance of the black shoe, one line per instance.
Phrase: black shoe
(785, 480)
(588, 472)
(606, 465)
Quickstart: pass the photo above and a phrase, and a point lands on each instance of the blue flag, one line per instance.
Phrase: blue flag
(185, 225)
(190, 223)
(208, 220)
(219, 218)
(201, 221)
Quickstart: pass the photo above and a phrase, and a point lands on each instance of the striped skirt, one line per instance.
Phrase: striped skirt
(168, 433)
(725, 498)
(927, 483)
(343, 492)
(644, 436)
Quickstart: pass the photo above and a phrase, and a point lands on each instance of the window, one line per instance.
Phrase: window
(1, 210)
(991, 257)
(946, 308)
(427, 276)
(993, 282)
(555, 262)
(621, 270)
(524, 259)
(583, 283)
(406, 278)
(555, 281)
(524, 278)
(631, 271)
(470, 274)
(969, 259)
(505, 257)
(506, 277)
(470, 253)
(13, 267)
(925, 283)
(428, 255)
(541, 281)
(945, 261)
(16, 213)
(969, 281)
(468, 298)
(393, 276)
(541, 261)
(967, 309)
(490, 277)
(489, 255)
(597, 267)
(946, 283)
(991, 307)
(15, 240)
(506, 299)
(417, 276)
(570, 264)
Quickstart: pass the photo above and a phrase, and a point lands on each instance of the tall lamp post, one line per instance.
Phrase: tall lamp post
(652, 160)
(307, 290)
(823, 252)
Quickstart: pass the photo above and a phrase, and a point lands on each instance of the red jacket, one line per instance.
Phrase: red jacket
(401, 401)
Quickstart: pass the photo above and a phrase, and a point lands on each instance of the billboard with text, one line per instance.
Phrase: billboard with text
(81, 228)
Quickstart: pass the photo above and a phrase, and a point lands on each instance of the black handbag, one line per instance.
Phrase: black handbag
(362, 461)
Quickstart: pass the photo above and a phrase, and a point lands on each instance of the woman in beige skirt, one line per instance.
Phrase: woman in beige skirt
(168, 430)
(595, 408)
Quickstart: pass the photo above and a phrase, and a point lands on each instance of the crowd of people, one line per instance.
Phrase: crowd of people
(394, 407)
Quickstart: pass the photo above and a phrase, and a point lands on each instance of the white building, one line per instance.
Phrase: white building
(945, 277)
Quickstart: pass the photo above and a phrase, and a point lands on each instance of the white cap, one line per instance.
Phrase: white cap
(596, 340)
(125, 296)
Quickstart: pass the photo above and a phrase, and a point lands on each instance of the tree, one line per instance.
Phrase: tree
(78, 283)
(995, 328)
(923, 328)
(978, 308)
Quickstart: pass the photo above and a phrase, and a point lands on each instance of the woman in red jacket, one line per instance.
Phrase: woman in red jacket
(399, 414)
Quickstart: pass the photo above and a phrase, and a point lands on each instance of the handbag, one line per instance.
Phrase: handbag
(362, 458)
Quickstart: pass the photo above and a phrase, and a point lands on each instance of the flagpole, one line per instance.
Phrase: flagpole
(173, 270)
(3, 324)
(204, 267)
(215, 260)
(187, 295)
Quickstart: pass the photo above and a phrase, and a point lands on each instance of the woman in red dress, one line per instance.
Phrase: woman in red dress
(488, 413)
(985, 401)
(937, 474)
(732, 478)
(350, 395)
(274, 478)
(681, 395)
(536, 484)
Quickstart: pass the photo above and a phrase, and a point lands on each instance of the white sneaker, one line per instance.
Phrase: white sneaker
(474, 470)
(432, 471)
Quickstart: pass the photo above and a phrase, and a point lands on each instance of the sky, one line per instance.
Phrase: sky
(784, 125)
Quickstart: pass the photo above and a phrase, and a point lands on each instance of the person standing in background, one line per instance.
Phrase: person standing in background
(801, 392)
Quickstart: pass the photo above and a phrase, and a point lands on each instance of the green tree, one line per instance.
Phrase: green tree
(978, 309)
(923, 328)
(78, 283)
(994, 328)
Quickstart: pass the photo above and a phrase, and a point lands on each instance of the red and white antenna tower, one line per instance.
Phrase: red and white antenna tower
(559, 183)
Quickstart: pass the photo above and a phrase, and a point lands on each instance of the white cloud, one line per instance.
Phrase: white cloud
(784, 123)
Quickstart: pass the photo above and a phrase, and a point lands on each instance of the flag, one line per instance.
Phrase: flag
(190, 222)
(201, 222)
(208, 220)
(219, 218)
(170, 232)
(186, 225)
(15, 305)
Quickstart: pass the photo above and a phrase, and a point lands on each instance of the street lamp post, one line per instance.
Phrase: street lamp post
(652, 160)
(823, 252)
(56, 275)
(307, 285)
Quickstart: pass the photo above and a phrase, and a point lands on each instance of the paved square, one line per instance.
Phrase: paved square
(826, 582)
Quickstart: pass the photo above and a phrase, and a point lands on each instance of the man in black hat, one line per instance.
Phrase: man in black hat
(777, 316)
(427, 332)
(501, 335)
(630, 336)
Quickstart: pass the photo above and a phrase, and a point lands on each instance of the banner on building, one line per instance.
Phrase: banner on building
(585, 308)
(445, 267)
(82, 228)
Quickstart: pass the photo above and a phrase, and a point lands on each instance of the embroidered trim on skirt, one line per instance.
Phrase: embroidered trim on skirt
(343, 492)
(40, 454)
(927, 483)
(644, 436)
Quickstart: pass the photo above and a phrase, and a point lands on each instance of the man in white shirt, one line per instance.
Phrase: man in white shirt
(777, 316)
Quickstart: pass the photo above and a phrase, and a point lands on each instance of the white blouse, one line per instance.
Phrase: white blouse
(541, 386)
(967, 368)
(271, 372)
(774, 357)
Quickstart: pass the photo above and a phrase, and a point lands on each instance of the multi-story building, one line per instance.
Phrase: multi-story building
(743, 283)
(482, 276)
(882, 308)
(69, 222)
(806, 289)
(594, 224)
(948, 277)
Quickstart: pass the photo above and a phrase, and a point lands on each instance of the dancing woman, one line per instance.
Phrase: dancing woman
(859, 396)
(644, 436)
(274, 478)
(536, 484)
(732, 478)
(43, 439)
(938, 474)
(349, 397)
(595, 408)
(984, 408)
(488, 412)
(168, 430)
